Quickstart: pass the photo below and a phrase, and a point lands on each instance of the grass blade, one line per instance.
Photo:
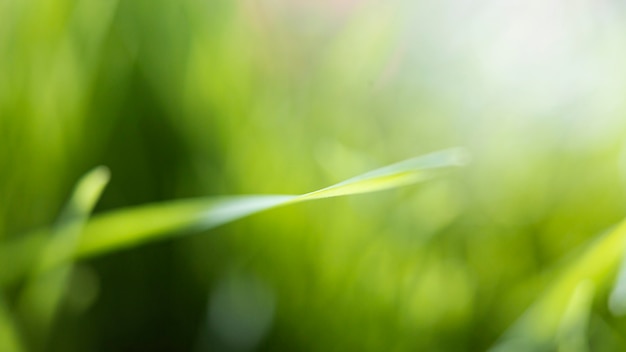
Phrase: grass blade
(48, 279)
(129, 227)
(133, 226)
(9, 340)
(545, 319)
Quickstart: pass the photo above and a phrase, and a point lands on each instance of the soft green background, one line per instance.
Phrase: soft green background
(194, 98)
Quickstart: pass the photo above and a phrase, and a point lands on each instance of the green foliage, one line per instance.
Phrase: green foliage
(191, 102)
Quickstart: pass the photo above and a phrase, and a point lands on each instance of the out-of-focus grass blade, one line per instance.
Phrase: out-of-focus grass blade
(9, 340)
(129, 227)
(49, 275)
(545, 319)
(617, 298)
(572, 334)
(70, 226)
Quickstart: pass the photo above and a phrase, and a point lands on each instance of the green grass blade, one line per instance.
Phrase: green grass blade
(48, 279)
(129, 227)
(70, 227)
(133, 226)
(9, 340)
(396, 175)
(572, 334)
(545, 319)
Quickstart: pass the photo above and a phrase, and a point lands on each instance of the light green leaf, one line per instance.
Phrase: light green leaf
(129, 227)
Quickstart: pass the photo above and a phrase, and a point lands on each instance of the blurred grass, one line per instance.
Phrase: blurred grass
(49, 276)
(192, 98)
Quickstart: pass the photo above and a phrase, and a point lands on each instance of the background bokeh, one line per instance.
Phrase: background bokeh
(193, 98)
